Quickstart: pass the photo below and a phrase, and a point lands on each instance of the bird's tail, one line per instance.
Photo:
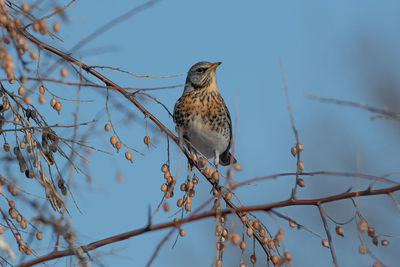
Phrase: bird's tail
(226, 158)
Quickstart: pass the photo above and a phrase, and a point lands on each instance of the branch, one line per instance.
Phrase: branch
(383, 112)
(328, 235)
(285, 203)
(132, 99)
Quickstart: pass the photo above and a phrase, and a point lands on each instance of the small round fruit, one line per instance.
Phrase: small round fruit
(64, 72)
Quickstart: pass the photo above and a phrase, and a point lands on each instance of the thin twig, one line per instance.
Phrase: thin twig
(328, 235)
(296, 134)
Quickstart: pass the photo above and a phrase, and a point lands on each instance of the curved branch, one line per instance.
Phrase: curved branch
(267, 207)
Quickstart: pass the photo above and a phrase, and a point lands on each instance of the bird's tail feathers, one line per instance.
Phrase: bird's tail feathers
(226, 158)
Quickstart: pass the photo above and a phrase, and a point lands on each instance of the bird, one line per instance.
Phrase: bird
(201, 116)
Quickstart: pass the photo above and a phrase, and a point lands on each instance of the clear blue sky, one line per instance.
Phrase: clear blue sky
(342, 49)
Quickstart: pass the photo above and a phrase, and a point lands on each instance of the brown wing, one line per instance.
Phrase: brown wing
(225, 157)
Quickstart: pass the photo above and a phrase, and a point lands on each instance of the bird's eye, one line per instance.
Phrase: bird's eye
(201, 70)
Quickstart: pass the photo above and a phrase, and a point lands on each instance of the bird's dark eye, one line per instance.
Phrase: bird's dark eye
(201, 70)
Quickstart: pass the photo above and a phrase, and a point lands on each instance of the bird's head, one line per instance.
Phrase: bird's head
(201, 75)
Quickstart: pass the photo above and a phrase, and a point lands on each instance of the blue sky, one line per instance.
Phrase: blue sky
(342, 49)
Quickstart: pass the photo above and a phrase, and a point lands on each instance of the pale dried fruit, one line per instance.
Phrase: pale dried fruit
(167, 174)
(300, 165)
(182, 232)
(339, 230)
(362, 225)
(270, 244)
(113, 140)
(237, 166)
(235, 238)
(42, 89)
(28, 100)
(202, 162)
(53, 102)
(301, 182)
(183, 187)
(64, 72)
(164, 167)
(215, 177)
(262, 232)
(325, 243)
(21, 90)
(279, 237)
(287, 256)
(293, 150)
(39, 235)
(146, 140)
(16, 120)
(253, 258)
(188, 206)
(218, 230)
(218, 263)
(179, 203)
(13, 213)
(58, 106)
(18, 237)
(375, 240)
(164, 187)
(25, 7)
(243, 245)
(33, 55)
(56, 27)
(256, 225)
(118, 145)
(384, 242)
(166, 206)
(42, 99)
(208, 172)
(107, 127)
(11, 203)
(220, 246)
(6, 147)
(371, 231)
(23, 224)
(215, 192)
(128, 155)
(35, 26)
(363, 249)
(300, 147)
(292, 224)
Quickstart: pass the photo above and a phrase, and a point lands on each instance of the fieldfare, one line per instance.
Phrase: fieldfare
(201, 116)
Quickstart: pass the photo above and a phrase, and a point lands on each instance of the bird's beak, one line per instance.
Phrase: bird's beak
(214, 66)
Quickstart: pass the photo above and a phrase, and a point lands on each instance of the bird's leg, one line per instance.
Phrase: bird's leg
(216, 161)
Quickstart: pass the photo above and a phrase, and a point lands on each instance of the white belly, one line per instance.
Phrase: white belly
(205, 140)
